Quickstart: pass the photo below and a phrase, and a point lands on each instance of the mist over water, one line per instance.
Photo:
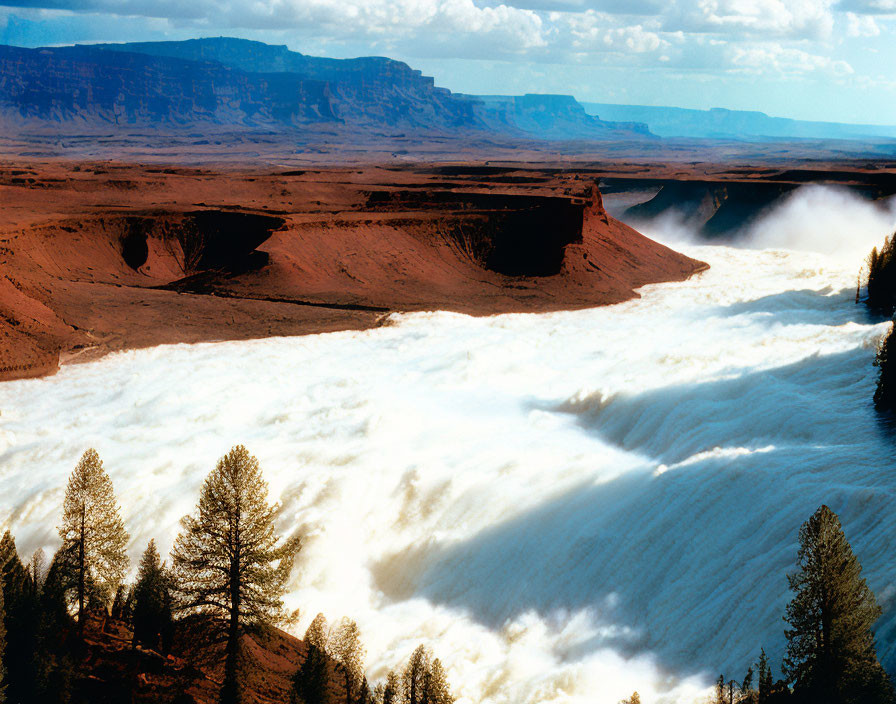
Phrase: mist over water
(566, 507)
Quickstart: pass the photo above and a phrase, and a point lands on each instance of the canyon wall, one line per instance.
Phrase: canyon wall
(116, 257)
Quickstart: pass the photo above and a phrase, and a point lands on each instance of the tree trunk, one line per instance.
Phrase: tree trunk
(230, 689)
(82, 578)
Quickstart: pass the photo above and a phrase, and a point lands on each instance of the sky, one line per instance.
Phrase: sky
(808, 59)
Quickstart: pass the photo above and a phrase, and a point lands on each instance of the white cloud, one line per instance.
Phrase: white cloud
(794, 19)
(861, 25)
(869, 7)
(596, 32)
(770, 58)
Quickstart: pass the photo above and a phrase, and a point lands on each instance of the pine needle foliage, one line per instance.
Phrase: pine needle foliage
(349, 652)
(831, 656)
(392, 689)
(765, 681)
(93, 535)
(151, 618)
(881, 280)
(2, 647)
(318, 633)
(885, 361)
(228, 561)
(423, 680)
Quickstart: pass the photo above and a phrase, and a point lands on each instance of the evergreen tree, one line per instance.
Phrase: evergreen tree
(634, 699)
(310, 684)
(747, 693)
(365, 696)
(720, 691)
(2, 647)
(318, 634)
(228, 560)
(22, 621)
(348, 651)
(93, 535)
(414, 676)
(13, 574)
(392, 690)
(54, 664)
(831, 656)
(435, 685)
(885, 361)
(765, 678)
(881, 280)
(151, 618)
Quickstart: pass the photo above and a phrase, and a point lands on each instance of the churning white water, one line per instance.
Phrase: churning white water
(565, 507)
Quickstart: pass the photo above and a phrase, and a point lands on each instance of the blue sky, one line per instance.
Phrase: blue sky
(809, 59)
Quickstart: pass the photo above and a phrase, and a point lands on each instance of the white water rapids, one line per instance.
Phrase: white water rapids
(565, 507)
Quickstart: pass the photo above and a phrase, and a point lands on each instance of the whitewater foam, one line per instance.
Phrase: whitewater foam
(566, 507)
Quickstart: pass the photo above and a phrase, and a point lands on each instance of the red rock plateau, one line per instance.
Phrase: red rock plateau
(109, 256)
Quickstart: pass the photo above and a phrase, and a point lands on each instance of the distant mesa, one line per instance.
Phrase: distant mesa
(719, 123)
(237, 83)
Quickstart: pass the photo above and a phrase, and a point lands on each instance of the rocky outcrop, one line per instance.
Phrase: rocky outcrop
(286, 253)
(712, 209)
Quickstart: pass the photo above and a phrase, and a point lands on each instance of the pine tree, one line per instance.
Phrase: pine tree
(348, 651)
(151, 618)
(720, 691)
(21, 623)
(885, 361)
(365, 696)
(318, 633)
(13, 573)
(414, 675)
(765, 678)
(392, 690)
(311, 683)
(93, 535)
(2, 646)
(747, 693)
(435, 685)
(831, 656)
(229, 562)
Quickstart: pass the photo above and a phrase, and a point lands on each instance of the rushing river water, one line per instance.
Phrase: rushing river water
(566, 507)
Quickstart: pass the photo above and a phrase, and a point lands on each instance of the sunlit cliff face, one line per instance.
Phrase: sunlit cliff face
(565, 507)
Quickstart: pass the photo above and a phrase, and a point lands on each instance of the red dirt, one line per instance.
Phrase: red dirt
(102, 257)
(113, 670)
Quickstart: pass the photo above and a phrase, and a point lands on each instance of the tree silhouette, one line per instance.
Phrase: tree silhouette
(348, 651)
(885, 361)
(152, 621)
(2, 647)
(831, 656)
(93, 535)
(228, 561)
(765, 681)
(310, 684)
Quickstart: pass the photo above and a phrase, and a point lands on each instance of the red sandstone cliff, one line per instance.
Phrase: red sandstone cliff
(117, 257)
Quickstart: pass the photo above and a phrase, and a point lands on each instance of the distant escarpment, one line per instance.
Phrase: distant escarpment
(114, 257)
(727, 207)
(250, 86)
